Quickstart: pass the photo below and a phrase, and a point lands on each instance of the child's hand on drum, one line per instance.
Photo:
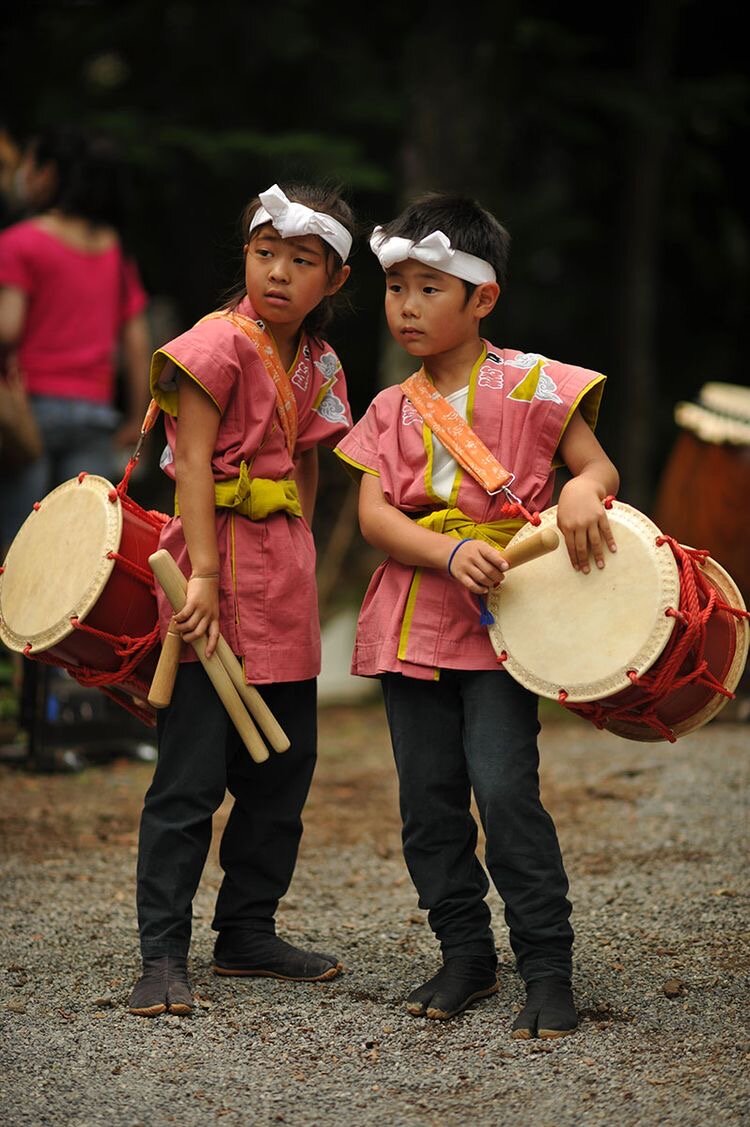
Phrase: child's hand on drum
(477, 565)
(582, 519)
(200, 614)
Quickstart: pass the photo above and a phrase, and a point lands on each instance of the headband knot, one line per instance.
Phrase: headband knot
(291, 219)
(433, 250)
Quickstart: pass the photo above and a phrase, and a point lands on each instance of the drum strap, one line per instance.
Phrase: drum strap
(286, 404)
(255, 497)
(456, 435)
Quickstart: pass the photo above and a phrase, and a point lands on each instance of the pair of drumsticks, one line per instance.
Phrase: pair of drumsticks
(243, 702)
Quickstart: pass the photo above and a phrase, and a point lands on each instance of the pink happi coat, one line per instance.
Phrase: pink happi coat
(268, 597)
(416, 621)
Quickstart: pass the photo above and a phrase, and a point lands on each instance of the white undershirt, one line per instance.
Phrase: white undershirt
(444, 465)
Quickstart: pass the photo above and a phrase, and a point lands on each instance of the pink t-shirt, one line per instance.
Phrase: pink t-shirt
(77, 304)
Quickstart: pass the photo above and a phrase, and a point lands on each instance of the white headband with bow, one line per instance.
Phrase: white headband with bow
(291, 219)
(433, 250)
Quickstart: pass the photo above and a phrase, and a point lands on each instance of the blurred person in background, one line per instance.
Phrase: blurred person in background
(10, 159)
(72, 310)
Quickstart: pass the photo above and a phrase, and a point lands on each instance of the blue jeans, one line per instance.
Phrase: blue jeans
(77, 436)
(478, 731)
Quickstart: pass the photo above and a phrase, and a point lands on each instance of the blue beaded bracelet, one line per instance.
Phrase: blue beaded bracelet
(450, 557)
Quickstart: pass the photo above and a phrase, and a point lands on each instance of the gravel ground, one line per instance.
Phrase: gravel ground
(656, 844)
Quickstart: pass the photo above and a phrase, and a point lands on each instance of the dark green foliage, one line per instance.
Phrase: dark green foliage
(586, 129)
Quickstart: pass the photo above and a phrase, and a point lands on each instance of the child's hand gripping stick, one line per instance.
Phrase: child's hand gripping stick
(546, 540)
(174, 585)
(260, 711)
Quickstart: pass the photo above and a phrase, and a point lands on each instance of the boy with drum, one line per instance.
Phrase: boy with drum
(458, 722)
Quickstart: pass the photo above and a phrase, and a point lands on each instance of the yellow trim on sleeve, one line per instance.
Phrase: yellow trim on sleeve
(589, 401)
(167, 398)
(356, 469)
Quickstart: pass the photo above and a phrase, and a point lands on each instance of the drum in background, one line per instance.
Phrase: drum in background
(705, 484)
(77, 591)
(650, 647)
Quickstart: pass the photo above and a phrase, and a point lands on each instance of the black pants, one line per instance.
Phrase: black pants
(478, 730)
(200, 758)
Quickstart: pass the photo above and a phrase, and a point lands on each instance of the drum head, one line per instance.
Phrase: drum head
(582, 634)
(57, 565)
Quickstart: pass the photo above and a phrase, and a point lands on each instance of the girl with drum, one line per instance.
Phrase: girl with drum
(457, 721)
(248, 393)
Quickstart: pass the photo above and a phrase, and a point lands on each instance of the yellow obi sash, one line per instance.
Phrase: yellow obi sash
(452, 522)
(255, 497)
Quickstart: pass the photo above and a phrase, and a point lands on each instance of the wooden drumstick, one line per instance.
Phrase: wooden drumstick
(164, 568)
(262, 714)
(258, 708)
(160, 693)
(538, 544)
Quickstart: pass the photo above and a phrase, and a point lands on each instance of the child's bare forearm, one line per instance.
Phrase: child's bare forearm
(473, 563)
(394, 533)
(195, 490)
(601, 474)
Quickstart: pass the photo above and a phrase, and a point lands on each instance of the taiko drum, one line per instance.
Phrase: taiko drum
(76, 589)
(650, 647)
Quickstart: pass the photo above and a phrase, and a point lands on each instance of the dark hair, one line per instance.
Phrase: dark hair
(469, 226)
(90, 174)
(323, 198)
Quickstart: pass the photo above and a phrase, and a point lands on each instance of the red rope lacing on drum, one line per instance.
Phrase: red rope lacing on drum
(516, 508)
(131, 650)
(699, 600)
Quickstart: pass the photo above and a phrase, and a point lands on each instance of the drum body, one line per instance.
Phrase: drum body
(649, 647)
(77, 591)
(706, 480)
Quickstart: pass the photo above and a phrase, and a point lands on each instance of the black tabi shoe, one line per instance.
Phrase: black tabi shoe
(162, 986)
(549, 1011)
(245, 953)
(462, 980)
